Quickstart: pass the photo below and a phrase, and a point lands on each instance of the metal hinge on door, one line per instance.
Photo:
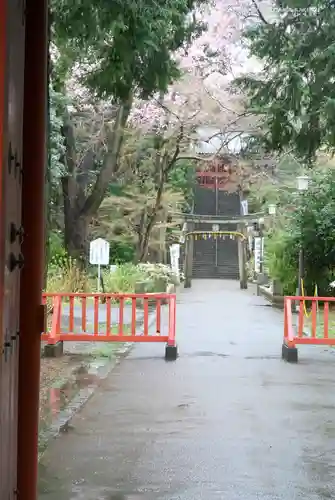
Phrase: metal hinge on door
(16, 232)
(7, 346)
(11, 158)
(14, 262)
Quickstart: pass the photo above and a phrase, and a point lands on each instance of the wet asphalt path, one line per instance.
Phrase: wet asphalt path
(229, 420)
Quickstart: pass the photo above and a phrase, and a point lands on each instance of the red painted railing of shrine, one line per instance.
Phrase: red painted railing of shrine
(317, 330)
(314, 331)
(102, 317)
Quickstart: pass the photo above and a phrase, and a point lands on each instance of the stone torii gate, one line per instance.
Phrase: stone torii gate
(189, 230)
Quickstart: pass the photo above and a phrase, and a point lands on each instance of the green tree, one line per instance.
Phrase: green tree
(308, 224)
(157, 183)
(120, 51)
(295, 92)
(56, 149)
(314, 222)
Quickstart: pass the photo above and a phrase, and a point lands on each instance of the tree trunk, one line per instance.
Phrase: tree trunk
(76, 237)
(151, 219)
(81, 203)
(75, 223)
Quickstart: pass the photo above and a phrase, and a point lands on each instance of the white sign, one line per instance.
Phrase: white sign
(244, 207)
(99, 256)
(175, 250)
(99, 252)
(258, 253)
(216, 228)
(174, 258)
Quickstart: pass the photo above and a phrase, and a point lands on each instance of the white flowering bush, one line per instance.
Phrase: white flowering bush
(160, 273)
(153, 277)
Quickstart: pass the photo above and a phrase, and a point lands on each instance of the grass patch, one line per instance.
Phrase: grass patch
(123, 279)
(114, 329)
(69, 279)
(320, 323)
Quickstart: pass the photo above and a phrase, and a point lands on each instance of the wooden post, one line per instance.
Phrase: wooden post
(162, 245)
(245, 263)
(189, 250)
(242, 259)
(33, 218)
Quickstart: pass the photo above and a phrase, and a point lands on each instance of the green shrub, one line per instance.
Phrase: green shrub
(281, 259)
(123, 279)
(154, 278)
(122, 252)
(58, 257)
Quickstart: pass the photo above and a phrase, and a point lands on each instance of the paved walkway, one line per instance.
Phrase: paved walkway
(229, 420)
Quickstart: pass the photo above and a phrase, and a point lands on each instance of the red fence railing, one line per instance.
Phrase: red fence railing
(108, 317)
(314, 330)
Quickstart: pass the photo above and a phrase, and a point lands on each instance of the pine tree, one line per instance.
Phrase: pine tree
(295, 92)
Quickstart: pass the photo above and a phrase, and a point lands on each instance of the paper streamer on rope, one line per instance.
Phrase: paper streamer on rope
(207, 235)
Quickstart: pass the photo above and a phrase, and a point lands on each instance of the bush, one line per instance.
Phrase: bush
(68, 278)
(159, 273)
(122, 252)
(58, 257)
(281, 259)
(123, 279)
(155, 277)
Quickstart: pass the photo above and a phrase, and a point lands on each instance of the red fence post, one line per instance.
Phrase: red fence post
(326, 320)
(71, 314)
(83, 314)
(55, 325)
(171, 351)
(54, 347)
(289, 351)
(285, 321)
(158, 316)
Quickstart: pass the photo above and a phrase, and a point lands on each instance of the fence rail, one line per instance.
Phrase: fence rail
(111, 317)
(315, 332)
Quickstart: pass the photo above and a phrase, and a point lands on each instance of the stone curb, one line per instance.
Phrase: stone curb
(100, 369)
(277, 301)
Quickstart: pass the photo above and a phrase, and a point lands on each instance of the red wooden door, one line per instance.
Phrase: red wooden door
(11, 116)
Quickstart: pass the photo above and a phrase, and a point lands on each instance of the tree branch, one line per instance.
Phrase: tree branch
(259, 12)
(176, 153)
(110, 162)
(70, 156)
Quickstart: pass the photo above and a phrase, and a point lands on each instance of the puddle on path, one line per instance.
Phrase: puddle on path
(62, 392)
(260, 358)
(207, 354)
(58, 398)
